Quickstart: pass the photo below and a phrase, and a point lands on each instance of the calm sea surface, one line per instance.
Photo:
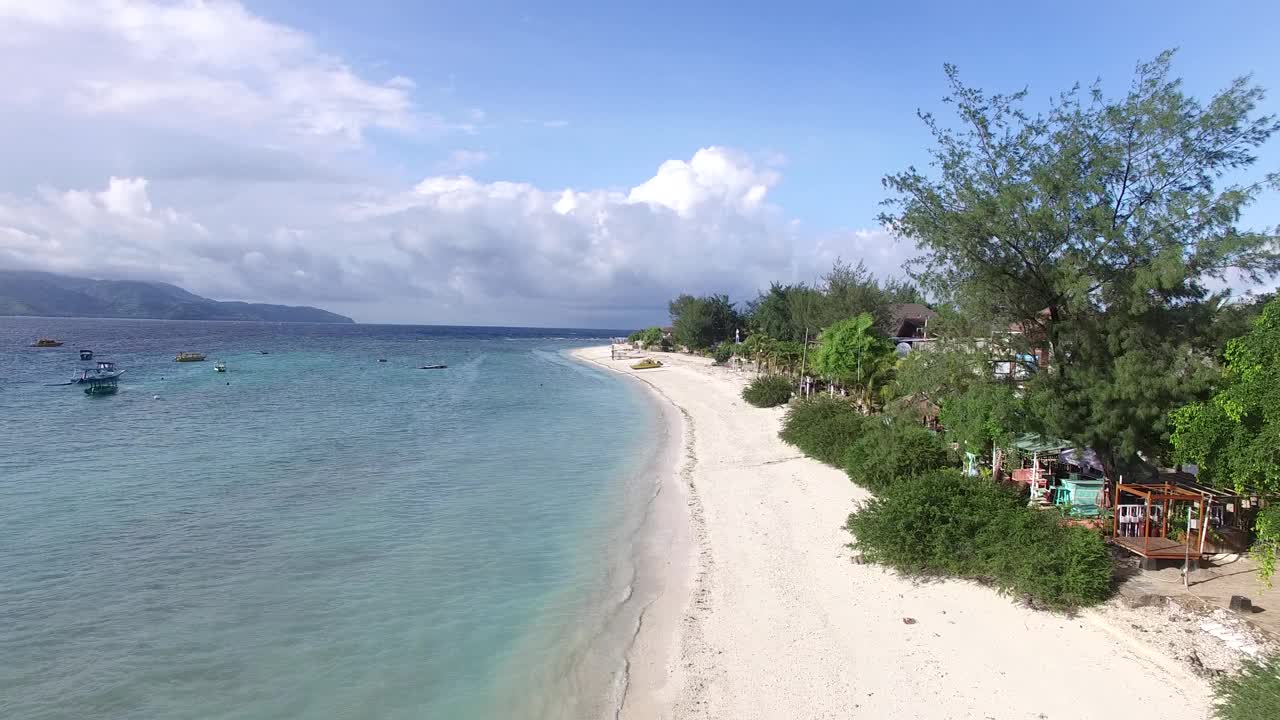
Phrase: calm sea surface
(314, 534)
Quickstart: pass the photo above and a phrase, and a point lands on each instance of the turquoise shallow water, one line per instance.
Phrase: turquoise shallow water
(326, 536)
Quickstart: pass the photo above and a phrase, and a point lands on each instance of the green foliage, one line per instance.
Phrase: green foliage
(795, 312)
(1266, 544)
(985, 415)
(823, 428)
(942, 523)
(1253, 694)
(1094, 230)
(649, 337)
(889, 449)
(1235, 437)
(702, 322)
(723, 353)
(856, 356)
(768, 391)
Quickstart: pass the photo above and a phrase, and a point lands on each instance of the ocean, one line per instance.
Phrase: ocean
(315, 533)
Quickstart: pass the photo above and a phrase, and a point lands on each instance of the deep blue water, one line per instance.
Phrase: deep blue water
(313, 534)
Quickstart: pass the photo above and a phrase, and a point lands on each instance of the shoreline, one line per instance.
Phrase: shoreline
(776, 621)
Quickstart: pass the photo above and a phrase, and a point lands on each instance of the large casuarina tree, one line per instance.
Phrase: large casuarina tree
(1091, 232)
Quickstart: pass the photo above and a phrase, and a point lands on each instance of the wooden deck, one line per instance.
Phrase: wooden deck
(1155, 547)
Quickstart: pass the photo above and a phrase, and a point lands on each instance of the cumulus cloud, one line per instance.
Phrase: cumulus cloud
(197, 143)
(454, 248)
(222, 68)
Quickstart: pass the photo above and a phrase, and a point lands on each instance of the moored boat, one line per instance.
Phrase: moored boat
(190, 357)
(105, 370)
(432, 367)
(86, 354)
(220, 366)
(102, 385)
(47, 342)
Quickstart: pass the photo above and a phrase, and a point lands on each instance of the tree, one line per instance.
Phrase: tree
(703, 322)
(649, 337)
(985, 416)
(1234, 437)
(852, 353)
(1090, 233)
(771, 314)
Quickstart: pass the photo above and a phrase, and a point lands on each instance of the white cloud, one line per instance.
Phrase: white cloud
(208, 65)
(459, 160)
(452, 248)
(197, 143)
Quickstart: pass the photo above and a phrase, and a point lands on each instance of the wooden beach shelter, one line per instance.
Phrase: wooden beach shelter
(1147, 515)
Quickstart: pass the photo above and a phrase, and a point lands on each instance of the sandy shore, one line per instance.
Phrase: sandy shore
(767, 617)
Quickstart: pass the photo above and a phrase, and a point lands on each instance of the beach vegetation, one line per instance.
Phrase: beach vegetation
(1087, 239)
(649, 337)
(943, 524)
(703, 322)
(723, 353)
(888, 449)
(823, 427)
(853, 353)
(1234, 436)
(768, 391)
(1251, 694)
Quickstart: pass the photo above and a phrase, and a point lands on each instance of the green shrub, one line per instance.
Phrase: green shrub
(723, 353)
(943, 523)
(823, 427)
(1254, 694)
(890, 449)
(768, 391)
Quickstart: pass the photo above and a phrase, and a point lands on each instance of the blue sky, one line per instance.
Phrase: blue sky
(833, 86)
(520, 163)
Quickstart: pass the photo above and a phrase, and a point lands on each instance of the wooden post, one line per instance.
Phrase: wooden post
(1146, 539)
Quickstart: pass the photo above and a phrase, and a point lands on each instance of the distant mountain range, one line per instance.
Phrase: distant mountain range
(48, 295)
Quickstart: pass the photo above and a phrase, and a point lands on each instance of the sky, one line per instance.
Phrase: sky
(546, 164)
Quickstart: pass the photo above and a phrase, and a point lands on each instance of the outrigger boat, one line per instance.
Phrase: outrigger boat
(102, 385)
(47, 342)
(86, 354)
(190, 357)
(432, 367)
(105, 370)
(220, 366)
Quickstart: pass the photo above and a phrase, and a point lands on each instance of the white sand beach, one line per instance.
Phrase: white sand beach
(774, 620)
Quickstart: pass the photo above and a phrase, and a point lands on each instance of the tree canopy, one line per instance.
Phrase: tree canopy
(1091, 232)
(1234, 437)
(702, 322)
(854, 354)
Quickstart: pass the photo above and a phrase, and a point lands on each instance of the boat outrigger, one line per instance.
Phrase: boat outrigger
(190, 357)
(47, 342)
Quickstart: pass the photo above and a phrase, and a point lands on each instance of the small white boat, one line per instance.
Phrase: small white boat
(220, 366)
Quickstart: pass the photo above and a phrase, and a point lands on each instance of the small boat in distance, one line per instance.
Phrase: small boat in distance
(47, 342)
(190, 357)
(432, 367)
(86, 354)
(220, 366)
